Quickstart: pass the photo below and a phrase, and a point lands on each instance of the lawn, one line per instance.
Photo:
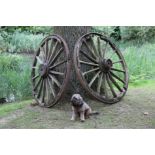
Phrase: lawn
(136, 110)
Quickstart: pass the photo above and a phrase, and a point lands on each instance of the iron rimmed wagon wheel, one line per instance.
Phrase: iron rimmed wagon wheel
(101, 68)
(50, 70)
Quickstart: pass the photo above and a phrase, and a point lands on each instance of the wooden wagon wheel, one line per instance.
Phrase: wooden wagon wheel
(50, 70)
(101, 68)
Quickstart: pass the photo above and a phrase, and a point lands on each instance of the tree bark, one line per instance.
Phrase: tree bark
(71, 34)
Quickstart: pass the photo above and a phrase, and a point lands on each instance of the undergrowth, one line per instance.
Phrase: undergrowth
(140, 60)
(15, 81)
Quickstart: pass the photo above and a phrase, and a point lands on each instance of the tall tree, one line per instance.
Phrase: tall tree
(71, 35)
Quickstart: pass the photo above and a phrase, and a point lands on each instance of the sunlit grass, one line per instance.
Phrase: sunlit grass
(8, 107)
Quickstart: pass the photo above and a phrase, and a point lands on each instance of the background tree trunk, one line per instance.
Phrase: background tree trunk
(71, 35)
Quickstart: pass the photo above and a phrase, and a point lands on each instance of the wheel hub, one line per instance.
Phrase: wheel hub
(43, 70)
(105, 65)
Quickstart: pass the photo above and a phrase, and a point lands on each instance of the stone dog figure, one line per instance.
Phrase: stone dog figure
(80, 108)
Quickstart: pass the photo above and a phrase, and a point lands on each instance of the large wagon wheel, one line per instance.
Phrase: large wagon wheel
(101, 68)
(50, 70)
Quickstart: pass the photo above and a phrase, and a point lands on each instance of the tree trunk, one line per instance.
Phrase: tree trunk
(71, 35)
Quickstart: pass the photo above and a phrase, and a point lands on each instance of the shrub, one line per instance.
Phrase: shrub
(9, 62)
(22, 42)
(139, 34)
(3, 45)
(28, 29)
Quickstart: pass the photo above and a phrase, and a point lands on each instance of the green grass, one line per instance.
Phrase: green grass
(7, 108)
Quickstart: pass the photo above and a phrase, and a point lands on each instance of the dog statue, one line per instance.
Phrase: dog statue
(80, 108)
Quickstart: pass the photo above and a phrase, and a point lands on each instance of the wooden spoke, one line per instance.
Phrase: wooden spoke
(93, 46)
(58, 64)
(89, 57)
(118, 70)
(47, 92)
(51, 42)
(53, 51)
(55, 80)
(44, 91)
(115, 83)
(104, 85)
(117, 61)
(104, 50)
(50, 49)
(43, 52)
(35, 77)
(99, 46)
(56, 56)
(88, 63)
(114, 75)
(38, 83)
(99, 83)
(93, 79)
(40, 89)
(90, 71)
(39, 60)
(54, 47)
(51, 87)
(89, 49)
(110, 85)
(46, 49)
(57, 73)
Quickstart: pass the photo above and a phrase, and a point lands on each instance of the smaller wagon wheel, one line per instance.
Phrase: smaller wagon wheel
(101, 68)
(50, 70)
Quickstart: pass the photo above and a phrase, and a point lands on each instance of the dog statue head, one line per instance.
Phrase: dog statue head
(77, 100)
